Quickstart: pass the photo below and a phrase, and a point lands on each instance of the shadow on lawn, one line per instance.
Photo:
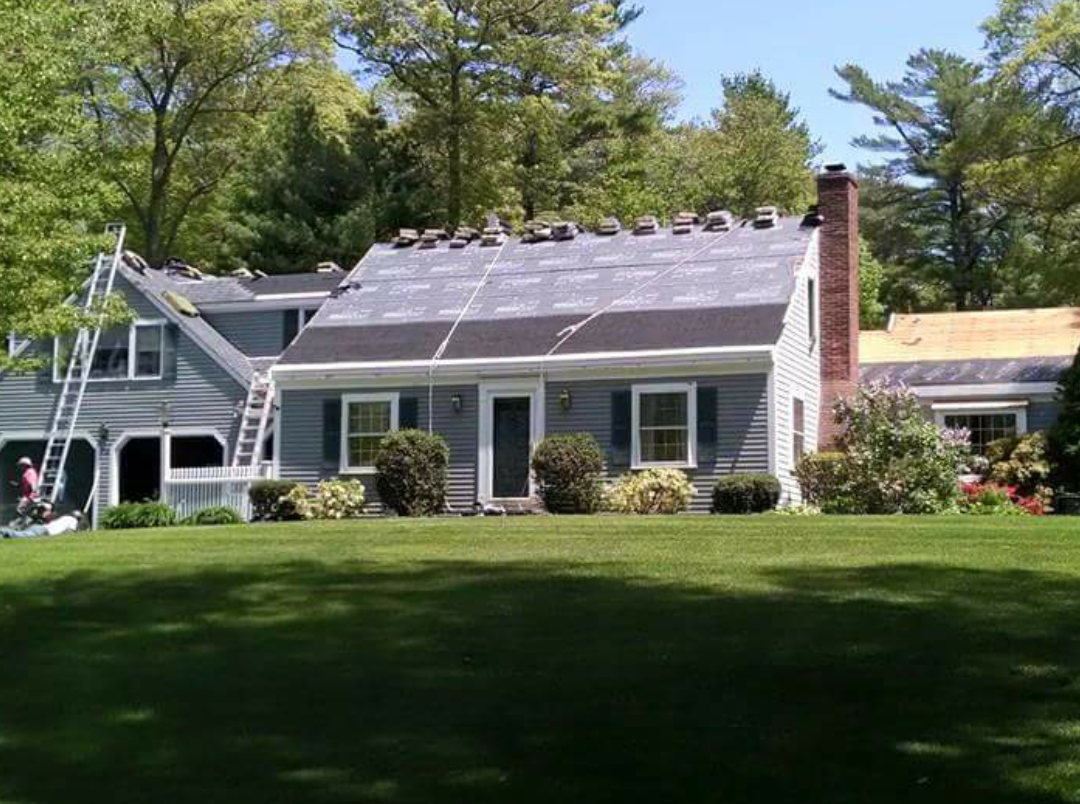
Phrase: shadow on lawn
(519, 683)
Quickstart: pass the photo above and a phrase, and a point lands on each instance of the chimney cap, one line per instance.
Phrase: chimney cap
(836, 167)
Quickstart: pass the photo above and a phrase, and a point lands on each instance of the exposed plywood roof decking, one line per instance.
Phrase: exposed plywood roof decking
(991, 335)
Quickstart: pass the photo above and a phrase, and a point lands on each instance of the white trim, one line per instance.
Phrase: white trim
(966, 407)
(224, 308)
(132, 358)
(7, 436)
(488, 393)
(276, 297)
(773, 430)
(352, 399)
(589, 360)
(275, 470)
(989, 389)
(688, 388)
(166, 449)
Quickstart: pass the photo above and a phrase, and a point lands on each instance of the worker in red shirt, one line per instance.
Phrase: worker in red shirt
(28, 479)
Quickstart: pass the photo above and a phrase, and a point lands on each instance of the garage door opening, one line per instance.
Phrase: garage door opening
(140, 463)
(78, 475)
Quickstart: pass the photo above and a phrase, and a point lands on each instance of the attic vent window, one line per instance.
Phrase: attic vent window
(406, 238)
(719, 221)
(767, 218)
(609, 227)
(646, 225)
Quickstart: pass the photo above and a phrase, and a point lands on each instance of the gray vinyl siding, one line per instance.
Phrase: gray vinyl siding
(300, 455)
(742, 424)
(1043, 414)
(256, 333)
(203, 396)
(797, 375)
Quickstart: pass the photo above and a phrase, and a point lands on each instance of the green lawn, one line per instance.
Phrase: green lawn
(545, 660)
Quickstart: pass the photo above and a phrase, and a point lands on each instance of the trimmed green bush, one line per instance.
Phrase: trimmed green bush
(218, 515)
(568, 471)
(131, 516)
(411, 472)
(268, 500)
(825, 480)
(746, 494)
(654, 491)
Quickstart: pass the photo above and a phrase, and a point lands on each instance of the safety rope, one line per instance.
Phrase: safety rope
(435, 358)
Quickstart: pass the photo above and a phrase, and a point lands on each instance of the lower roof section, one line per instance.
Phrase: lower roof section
(967, 372)
(644, 331)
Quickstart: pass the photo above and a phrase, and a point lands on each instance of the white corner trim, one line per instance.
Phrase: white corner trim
(688, 388)
(394, 398)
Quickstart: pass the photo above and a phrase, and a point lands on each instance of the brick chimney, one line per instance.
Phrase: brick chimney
(838, 202)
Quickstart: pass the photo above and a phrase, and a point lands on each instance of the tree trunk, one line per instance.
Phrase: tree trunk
(160, 170)
(454, 166)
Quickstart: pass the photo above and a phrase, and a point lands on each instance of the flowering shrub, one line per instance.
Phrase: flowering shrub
(333, 499)
(897, 462)
(266, 500)
(1022, 462)
(654, 491)
(997, 500)
(798, 510)
(298, 502)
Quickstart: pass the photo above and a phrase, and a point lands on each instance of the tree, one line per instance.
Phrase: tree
(182, 84)
(51, 200)
(944, 119)
(871, 281)
(462, 63)
(1065, 434)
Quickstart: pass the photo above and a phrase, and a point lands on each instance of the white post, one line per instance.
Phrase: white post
(166, 461)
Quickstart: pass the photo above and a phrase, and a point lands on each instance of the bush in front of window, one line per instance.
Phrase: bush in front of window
(338, 499)
(1023, 463)
(133, 516)
(568, 472)
(654, 491)
(746, 494)
(411, 472)
(268, 502)
(895, 460)
(217, 515)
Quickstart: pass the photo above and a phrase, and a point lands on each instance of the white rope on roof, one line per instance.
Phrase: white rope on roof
(435, 358)
(569, 332)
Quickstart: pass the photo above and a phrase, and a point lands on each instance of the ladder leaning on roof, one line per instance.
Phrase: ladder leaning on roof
(77, 373)
(255, 422)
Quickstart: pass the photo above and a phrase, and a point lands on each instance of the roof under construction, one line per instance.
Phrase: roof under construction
(572, 293)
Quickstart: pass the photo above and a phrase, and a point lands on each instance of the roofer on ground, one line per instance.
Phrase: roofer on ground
(69, 523)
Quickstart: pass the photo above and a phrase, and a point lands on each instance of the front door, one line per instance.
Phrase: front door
(511, 440)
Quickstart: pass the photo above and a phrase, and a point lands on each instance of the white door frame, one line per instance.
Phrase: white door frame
(504, 389)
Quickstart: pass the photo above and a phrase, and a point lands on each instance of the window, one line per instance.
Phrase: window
(113, 358)
(811, 308)
(664, 425)
(798, 429)
(985, 427)
(367, 420)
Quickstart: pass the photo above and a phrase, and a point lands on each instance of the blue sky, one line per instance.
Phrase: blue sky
(797, 43)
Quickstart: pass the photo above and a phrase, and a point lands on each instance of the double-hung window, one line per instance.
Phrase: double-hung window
(798, 429)
(366, 420)
(131, 353)
(664, 425)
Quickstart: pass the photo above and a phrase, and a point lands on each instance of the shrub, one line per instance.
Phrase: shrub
(218, 515)
(1064, 439)
(654, 491)
(568, 470)
(825, 478)
(746, 494)
(896, 461)
(267, 500)
(799, 510)
(411, 472)
(1021, 462)
(130, 516)
(338, 499)
(988, 499)
(298, 503)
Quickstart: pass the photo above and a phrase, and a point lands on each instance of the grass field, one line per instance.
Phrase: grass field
(545, 660)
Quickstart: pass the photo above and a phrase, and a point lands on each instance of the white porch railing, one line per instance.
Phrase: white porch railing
(189, 491)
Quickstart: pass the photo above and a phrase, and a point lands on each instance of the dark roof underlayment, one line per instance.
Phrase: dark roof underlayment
(967, 372)
(219, 290)
(653, 292)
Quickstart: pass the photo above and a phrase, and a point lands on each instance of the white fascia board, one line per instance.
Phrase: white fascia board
(278, 297)
(674, 358)
(988, 389)
(997, 404)
(260, 304)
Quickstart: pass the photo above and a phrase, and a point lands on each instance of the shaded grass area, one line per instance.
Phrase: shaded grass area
(539, 660)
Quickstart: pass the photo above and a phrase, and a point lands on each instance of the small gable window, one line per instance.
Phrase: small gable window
(798, 429)
(664, 426)
(133, 353)
(366, 420)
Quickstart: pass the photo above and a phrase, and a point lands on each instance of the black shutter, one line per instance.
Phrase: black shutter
(706, 419)
(621, 426)
(408, 413)
(170, 341)
(292, 328)
(331, 428)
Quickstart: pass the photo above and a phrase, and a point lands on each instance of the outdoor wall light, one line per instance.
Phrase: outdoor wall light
(566, 400)
(457, 403)
(103, 433)
(164, 413)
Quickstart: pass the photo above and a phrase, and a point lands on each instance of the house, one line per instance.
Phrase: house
(712, 347)
(993, 372)
(171, 384)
